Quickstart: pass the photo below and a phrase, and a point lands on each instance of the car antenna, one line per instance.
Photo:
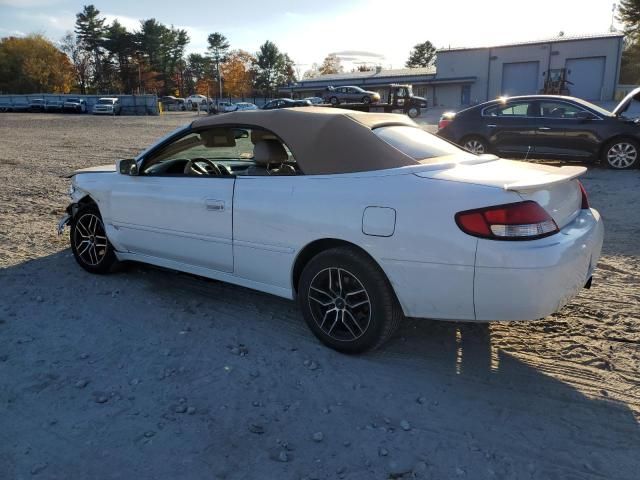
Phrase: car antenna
(527, 155)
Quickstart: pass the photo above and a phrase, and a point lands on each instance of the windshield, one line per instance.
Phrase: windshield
(103, 101)
(416, 143)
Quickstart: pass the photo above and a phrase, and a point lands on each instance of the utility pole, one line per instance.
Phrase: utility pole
(219, 80)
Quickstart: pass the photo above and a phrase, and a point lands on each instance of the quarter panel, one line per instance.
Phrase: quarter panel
(276, 217)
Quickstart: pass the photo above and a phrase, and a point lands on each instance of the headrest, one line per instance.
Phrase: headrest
(218, 137)
(269, 151)
(257, 135)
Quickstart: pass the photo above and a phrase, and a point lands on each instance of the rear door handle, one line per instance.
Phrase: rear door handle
(214, 205)
(544, 128)
(492, 125)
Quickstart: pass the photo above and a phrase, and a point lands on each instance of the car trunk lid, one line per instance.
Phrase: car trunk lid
(554, 188)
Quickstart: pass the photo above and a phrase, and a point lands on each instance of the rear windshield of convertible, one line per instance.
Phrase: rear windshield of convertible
(415, 142)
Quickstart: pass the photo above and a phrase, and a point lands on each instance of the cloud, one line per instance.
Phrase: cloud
(197, 38)
(28, 3)
(12, 33)
(358, 54)
(130, 23)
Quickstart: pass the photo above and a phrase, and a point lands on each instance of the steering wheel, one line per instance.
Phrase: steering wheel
(193, 166)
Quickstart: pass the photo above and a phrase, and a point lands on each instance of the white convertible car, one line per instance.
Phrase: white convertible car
(361, 217)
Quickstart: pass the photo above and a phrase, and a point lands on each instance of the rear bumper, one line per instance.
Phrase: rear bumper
(532, 279)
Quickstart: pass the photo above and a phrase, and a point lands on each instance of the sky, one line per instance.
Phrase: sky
(374, 31)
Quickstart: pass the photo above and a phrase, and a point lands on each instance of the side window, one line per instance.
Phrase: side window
(222, 151)
(516, 109)
(559, 110)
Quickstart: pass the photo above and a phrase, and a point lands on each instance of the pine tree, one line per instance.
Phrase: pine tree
(422, 55)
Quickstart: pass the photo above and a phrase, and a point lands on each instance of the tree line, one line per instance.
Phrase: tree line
(629, 15)
(98, 57)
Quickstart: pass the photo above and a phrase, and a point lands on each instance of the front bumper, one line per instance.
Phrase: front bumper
(532, 279)
(64, 221)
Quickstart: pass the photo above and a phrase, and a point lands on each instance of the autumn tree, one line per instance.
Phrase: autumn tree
(80, 60)
(237, 73)
(313, 72)
(34, 65)
(331, 64)
(422, 55)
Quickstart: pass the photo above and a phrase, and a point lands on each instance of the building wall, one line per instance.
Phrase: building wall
(465, 63)
(487, 63)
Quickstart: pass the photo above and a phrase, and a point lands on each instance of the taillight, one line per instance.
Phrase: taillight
(585, 200)
(513, 221)
(443, 123)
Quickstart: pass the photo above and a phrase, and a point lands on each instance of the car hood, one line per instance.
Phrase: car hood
(111, 168)
(626, 101)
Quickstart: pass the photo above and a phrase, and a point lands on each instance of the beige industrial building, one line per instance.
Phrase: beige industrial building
(465, 76)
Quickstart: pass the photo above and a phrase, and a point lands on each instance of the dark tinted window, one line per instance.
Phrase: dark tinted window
(514, 109)
(559, 110)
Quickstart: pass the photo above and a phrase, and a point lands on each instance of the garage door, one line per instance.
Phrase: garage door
(587, 75)
(520, 78)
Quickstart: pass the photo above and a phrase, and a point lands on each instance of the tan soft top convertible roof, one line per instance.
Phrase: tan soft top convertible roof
(325, 140)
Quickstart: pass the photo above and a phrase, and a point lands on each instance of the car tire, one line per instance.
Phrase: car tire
(334, 101)
(621, 154)
(474, 144)
(413, 112)
(366, 99)
(89, 243)
(347, 288)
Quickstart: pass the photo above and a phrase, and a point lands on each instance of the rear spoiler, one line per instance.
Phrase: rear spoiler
(563, 174)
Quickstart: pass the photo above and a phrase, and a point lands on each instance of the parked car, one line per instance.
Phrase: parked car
(108, 106)
(37, 105)
(350, 94)
(53, 105)
(285, 103)
(548, 126)
(315, 100)
(192, 101)
(173, 103)
(327, 206)
(226, 107)
(77, 105)
(246, 106)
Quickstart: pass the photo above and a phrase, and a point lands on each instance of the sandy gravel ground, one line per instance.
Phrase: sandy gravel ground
(150, 374)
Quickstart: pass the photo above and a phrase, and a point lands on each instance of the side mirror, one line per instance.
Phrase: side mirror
(127, 167)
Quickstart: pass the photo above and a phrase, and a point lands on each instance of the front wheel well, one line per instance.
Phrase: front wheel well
(73, 208)
(316, 247)
(604, 145)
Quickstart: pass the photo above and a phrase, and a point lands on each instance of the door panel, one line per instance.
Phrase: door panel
(185, 219)
(511, 127)
(561, 133)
